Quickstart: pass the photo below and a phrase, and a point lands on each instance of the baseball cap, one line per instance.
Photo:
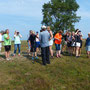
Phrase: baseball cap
(43, 27)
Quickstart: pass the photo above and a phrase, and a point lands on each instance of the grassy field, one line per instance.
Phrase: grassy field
(66, 73)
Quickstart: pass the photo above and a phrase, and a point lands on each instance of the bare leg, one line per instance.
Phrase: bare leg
(77, 51)
(51, 51)
(6, 55)
(59, 52)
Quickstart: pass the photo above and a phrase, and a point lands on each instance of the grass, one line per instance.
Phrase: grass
(66, 73)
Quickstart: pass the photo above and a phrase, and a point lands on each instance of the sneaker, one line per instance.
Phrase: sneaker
(36, 57)
(77, 56)
(7, 59)
(14, 55)
(18, 54)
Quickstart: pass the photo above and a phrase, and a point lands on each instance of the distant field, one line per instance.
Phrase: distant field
(66, 73)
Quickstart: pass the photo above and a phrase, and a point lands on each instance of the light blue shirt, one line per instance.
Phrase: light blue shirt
(17, 39)
(44, 38)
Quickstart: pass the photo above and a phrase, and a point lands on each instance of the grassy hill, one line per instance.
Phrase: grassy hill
(66, 73)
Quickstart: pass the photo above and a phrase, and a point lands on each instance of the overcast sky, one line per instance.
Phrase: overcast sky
(23, 15)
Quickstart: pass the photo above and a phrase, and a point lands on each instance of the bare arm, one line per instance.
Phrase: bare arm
(51, 35)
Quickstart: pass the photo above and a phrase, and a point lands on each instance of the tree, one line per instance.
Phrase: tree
(60, 14)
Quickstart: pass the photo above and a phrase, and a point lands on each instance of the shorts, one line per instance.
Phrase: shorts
(58, 47)
(51, 42)
(78, 44)
(37, 44)
(69, 44)
(88, 48)
(7, 48)
(33, 48)
(73, 44)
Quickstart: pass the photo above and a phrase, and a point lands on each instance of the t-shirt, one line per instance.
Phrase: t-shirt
(58, 36)
(77, 38)
(37, 38)
(32, 39)
(88, 41)
(44, 38)
(17, 39)
(7, 41)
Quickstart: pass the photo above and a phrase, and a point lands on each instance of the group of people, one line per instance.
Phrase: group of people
(70, 42)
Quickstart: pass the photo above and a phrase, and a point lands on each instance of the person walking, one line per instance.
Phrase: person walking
(58, 40)
(17, 43)
(44, 41)
(7, 44)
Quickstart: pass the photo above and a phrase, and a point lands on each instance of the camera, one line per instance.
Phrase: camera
(17, 33)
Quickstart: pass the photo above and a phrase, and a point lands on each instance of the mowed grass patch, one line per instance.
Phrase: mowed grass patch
(66, 73)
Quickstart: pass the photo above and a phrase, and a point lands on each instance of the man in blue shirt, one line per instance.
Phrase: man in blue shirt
(44, 41)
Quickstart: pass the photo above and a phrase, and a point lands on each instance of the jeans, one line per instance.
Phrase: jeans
(45, 55)
(15, 48)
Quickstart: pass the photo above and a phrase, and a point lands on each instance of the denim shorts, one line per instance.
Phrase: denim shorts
(37, 44)
(88, 48)
(58, 47)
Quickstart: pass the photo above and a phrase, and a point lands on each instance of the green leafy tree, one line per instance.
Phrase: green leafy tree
(60, 14)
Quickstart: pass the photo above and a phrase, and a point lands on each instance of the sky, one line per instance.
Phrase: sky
(25, 15)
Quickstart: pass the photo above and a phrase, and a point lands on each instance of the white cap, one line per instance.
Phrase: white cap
(43, 27)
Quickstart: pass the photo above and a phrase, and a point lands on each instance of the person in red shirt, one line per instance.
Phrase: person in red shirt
(58, 40)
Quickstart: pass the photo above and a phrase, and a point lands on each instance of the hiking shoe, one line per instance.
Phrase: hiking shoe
(7, 59)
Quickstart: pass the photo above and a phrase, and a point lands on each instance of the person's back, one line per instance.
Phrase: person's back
(44, 38)
(88, 41)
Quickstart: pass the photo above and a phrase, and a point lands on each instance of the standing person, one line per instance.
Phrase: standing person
(50, 41)
(44, 41)
(7, 44)
(32, 42)
(73, 42)
(69, 44)
(65, 36)
(17, 42)
(58, 40)
(77, 42)
(88, 45)
(29, 48)
(80, 42)
(0, 41)
(37, 43)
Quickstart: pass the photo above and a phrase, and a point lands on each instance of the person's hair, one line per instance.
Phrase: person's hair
(76, 30)
(6, 31)
(60, 31)
(49, 27)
